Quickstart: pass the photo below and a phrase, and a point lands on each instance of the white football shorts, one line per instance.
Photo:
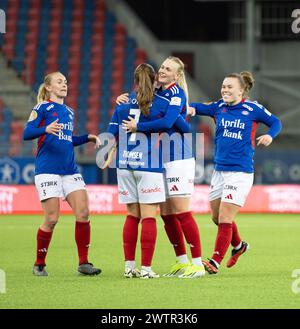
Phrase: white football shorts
(136, 186)
(179, 177)
(57, 186)
(230, 186)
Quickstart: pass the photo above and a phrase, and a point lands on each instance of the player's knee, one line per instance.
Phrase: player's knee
(51, 220)
(83, 214)
(225, 219)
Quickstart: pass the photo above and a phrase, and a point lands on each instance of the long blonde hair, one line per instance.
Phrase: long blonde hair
(245, 79)
(181, 81)
(43, 94)
(144, 76)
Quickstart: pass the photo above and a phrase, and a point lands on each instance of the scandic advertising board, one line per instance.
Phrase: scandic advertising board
(103, 199)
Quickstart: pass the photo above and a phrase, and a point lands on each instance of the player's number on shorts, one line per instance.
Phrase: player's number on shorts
(136, 115)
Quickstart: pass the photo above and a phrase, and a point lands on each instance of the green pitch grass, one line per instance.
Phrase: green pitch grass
(261, 279)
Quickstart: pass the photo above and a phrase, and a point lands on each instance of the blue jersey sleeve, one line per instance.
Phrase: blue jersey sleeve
(270, 120)
(182, 125)
(79, 140)
(34, 127)
(167, 121)
(113, 127)
(204, 109)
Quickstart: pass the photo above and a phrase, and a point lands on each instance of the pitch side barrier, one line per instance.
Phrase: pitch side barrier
(103, 199)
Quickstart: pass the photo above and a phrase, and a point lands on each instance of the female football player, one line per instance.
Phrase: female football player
(56, 173)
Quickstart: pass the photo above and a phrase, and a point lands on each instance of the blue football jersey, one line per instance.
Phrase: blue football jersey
(235, 132)
(142, 151)
(136, 151)
(55, 154)
(171, 103)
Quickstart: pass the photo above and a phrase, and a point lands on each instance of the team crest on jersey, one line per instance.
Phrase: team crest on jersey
(33, 116)
(175, 101)
(245, 112)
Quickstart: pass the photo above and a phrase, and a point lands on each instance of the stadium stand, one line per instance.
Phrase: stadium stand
(83, 40)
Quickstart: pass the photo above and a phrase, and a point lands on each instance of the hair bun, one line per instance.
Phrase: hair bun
(248, 79)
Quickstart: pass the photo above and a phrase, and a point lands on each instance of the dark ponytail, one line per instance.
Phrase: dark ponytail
(144, 76)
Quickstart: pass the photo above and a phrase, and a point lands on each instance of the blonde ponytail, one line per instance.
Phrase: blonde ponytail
(182, 80)
(42, 93)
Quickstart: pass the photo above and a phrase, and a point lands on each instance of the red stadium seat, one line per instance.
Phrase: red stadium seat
(97, 51)
(28, 76)
(30, 48)
(73, 88)
(74, 66)
(53, 49)
(54, 26)
(12, 11)
(140, 53)
(33, 25)
(17, 128)
(9, 37)
(93, 116)
(117, 76)
(120, 40)
(95, 89)
(76, 38)
(56, 13)
(53, 37)
(93, 101)
(32, 37)
(97, 40)
(75, 48)
(34, 14)
(72, 102)
(35, 3)
(92, 127)
(14, 149)
(77, 15)
(118, 63)
(8, 51)
(116, 86)
(97, 62)
(57, 3)
(120, 29)
(73, 75)
(51, 64)
(119, 50)
(11, 25)
(99, 15)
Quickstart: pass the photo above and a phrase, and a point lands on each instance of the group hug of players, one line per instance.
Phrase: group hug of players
(150, 175)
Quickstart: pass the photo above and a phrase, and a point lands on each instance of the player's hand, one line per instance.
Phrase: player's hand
(191, 111)
(95, 139)
(122, 99)
(129, 125)
(54, 128)
(265, 140)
